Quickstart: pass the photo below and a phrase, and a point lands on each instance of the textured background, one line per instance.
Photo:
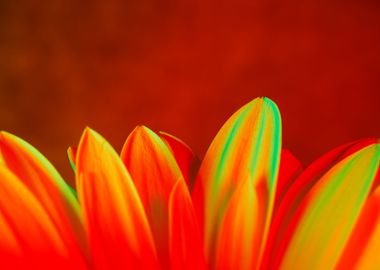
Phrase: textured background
(185, 66)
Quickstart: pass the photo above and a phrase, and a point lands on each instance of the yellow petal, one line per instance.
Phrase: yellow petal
(41, 178)
(291, 199)
(247, 148)
(361, 251)
(327, 215)
(154, 172)
(370, 258)
(118, 229)
(239, 237)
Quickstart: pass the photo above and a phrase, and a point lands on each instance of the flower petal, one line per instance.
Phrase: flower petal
(29, 237)
(118, 229)
(328, 213)
(247, 147)
(71, 154)
(186, 160)
(361, 251)
(154, 172)
(290, 168)
(294, 195)
(46, 184)
(185, 242)
(239, 237)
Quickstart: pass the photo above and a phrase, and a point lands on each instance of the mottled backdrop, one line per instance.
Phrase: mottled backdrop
(185, 66)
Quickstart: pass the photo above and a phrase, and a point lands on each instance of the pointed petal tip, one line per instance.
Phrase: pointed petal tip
(85, 134)
(5, 135)
(111, 201)
(166, 135)
(262, 98)
(257, 100)
(70, 149)
(87, 130)
(142, 129)
(88, 135)
(263, 101)
(144, 133)
(89, 138)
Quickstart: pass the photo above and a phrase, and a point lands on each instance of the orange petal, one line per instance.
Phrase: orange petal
(361, 251)
(186, 247)
(239, 235)
(55, 196)
(247, 147)
(154, 172)
(327, 215)
(186, 160)
(118, 229)
(297, 191)
(29, 238)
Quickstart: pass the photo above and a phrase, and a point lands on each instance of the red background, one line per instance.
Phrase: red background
(185, 66)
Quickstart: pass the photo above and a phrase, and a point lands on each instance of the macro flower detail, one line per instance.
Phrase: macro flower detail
(249, 204)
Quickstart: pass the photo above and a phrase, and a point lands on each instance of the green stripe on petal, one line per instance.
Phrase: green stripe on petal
(45, 183)
(329, 212)
(246, 147)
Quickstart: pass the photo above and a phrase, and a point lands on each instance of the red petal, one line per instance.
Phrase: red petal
(290, 168)
(185, 242)
(186, 160)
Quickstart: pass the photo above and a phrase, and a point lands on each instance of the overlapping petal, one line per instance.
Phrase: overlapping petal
(118, 229)
(290, 168)
(300, 187)
(154, 171)
(237, 244)
(185, 157)
(28, 235)
(326, 217)
(251, 205)
(54, 195)
(185, 240)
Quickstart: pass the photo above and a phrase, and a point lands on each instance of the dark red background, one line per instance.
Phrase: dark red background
(185, 66)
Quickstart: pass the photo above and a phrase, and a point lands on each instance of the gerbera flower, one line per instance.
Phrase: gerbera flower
(250, 205)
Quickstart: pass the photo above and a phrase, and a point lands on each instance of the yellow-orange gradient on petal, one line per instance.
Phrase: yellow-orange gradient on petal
(249, 205)
(118, 229)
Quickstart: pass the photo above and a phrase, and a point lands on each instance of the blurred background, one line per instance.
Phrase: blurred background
(185, 66)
